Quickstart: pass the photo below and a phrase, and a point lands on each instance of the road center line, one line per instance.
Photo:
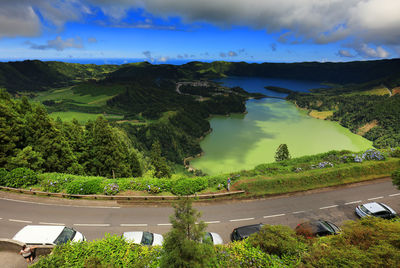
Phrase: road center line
(374, 198)
(164, 224)
(353, 202)
(51, 223)
(394, 194)
(272, 216)
(333, 206)
(13, 220)
(93, 224)
(245, 219)
(209, 222)
(297, 212)
(133, 224)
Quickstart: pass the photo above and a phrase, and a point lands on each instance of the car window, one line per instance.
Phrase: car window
(147, 239)
(381, 214)
(328, 227)
(66, 235)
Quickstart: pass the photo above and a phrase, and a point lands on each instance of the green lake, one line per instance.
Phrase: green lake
(243, 141)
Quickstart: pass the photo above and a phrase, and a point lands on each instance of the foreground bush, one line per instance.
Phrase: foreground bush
(20, 177)
(370, 242)
(396, 178)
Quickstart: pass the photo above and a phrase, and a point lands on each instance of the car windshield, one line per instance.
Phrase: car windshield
(328, 227)
(364, 209)
(66, 235)
(334, 227)
(147, 239)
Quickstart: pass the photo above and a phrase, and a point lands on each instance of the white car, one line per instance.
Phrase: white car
(375, 209)
(144, 238)
(215, 238)
(47, 235)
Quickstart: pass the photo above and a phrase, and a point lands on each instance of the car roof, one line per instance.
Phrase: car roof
(135, 237)
(39, 234)
(374, 207)
(248, 229)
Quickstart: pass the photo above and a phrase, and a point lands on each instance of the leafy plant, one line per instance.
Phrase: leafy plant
(21, 177)
(84, 186)
(111, 189)
(282, 153)
(3, 176)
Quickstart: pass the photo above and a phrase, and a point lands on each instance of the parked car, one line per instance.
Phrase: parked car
(317, 228)
(375, 209)
(243, 232)
(47, 235)
(215, 238)
(144, 238)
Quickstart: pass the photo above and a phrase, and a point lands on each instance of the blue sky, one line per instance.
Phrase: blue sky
(162, 31)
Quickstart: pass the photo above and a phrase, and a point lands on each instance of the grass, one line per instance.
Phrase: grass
(82, 117)
(83, 94)
(320, 115)
(263, 185)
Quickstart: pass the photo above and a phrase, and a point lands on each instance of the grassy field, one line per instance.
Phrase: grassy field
(83, 94)
(320, 115)
(82, 117)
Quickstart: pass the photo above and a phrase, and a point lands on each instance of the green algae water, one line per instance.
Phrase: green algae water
(243, 141)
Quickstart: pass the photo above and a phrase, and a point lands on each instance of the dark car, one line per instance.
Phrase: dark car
(243, 232)
(317, 228)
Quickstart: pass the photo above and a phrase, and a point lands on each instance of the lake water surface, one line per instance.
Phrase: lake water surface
(242, 141)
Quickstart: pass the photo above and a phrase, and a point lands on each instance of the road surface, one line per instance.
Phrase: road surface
(336, 205)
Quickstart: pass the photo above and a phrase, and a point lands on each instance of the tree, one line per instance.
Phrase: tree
(159, 162)
(396, 178)
(182, 245)
(282, 153)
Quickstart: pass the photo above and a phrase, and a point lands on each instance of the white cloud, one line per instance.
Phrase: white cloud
(369, 52)
(59, 44)
(374, 22)
(345, 53)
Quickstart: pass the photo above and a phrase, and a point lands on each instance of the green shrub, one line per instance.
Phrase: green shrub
(188, 186)
(85, 186)
(21, 177)
(395, 152)
(3, 176)
(55, 182)
(277, 240)
(396, 178)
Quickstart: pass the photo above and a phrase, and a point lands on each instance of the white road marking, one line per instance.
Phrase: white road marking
(374, 198)
(272, 216)
(333, 206)
(57, 205)
(133, 224)
(92, 224)
(209, 222)
(13, 220)
(394, 194)
(1, 218)
(164, 224)
(353, 202)
(51, 223)
(245, 219)
(297, 212)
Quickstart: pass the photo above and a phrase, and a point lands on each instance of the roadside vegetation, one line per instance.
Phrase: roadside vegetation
(370, 242)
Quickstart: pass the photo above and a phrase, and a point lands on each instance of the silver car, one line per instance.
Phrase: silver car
(375, 209)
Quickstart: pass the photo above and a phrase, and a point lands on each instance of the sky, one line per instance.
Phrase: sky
(178, 31)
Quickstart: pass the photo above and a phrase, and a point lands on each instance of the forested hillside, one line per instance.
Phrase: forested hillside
(146, 107)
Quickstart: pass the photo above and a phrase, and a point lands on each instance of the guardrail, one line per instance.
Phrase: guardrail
(120, 197)
(15, 246)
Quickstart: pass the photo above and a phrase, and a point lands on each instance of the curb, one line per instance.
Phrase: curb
(119, 197)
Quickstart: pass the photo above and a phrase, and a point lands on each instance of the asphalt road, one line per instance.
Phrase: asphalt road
(336, 205)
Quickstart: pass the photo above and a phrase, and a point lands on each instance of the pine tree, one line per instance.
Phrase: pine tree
(182, 245)
(159, 162)
(282, 153)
